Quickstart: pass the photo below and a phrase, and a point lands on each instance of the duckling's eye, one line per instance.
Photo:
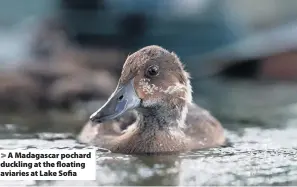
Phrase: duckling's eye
(152, 71)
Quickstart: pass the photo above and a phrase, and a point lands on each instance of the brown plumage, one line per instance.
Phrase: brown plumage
(164, 119)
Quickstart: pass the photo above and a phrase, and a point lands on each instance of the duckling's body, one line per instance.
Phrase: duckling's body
(151, 111)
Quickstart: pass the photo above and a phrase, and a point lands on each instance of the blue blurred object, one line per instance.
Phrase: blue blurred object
(191, 27)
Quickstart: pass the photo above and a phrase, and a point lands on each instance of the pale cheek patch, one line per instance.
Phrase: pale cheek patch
(176, 88)
(150, 89)
(146, 87)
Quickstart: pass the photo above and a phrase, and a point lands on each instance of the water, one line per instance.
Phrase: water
(269, 160)
(263, 150)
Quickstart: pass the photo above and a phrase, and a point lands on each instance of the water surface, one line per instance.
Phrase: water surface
(260, 121)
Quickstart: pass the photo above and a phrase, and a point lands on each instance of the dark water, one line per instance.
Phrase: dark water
(260, 121)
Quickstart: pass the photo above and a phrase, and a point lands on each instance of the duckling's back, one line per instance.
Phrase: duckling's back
(204, 129)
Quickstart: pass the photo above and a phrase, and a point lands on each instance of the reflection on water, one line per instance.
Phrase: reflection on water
(257, 157)
(262, 131)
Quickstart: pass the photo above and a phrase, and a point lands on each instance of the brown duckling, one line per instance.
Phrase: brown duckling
(154, 84)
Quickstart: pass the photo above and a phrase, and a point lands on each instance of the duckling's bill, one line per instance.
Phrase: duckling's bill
(124, 98)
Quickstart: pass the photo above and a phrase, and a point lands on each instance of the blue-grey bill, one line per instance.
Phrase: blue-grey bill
(124, 98)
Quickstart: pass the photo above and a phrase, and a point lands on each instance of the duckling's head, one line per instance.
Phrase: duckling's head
(153, 81)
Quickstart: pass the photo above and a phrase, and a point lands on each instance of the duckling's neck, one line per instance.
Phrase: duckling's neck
(162, 118)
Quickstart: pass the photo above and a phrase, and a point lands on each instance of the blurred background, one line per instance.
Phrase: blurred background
(59, 59)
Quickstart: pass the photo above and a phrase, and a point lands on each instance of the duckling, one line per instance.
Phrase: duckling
(156, 87)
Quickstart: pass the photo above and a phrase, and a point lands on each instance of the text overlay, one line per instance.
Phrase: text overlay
(49, 164)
